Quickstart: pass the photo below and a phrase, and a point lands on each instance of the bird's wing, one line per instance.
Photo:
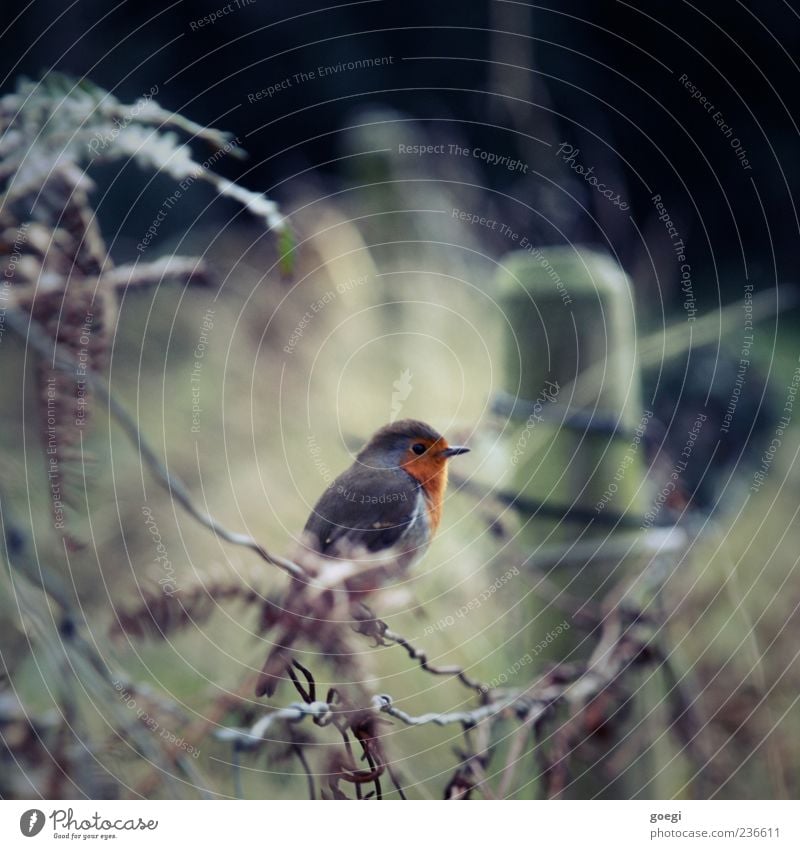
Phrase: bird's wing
(366, 507)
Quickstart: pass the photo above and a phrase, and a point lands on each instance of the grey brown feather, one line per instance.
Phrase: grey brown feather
(371, 508)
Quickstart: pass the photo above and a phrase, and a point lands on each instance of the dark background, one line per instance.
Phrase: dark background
(601, 76)
(602, 84)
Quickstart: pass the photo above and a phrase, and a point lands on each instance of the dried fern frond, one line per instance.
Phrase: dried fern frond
(53, 258)
(61, 120)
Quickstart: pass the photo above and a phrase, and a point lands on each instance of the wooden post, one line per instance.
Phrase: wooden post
(573, 406)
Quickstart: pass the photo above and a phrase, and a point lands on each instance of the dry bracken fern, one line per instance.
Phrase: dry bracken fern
(55, 264)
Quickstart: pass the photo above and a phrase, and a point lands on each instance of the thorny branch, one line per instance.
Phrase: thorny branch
(312, 584)
(422, 657)
(320, 712)
(589, 692)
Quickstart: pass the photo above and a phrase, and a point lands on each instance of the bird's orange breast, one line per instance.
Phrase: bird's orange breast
(431, 472)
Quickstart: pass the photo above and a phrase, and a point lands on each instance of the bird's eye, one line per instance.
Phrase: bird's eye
(418, 448)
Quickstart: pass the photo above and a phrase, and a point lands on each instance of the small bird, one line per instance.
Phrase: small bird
(389, 500)
(382, 512)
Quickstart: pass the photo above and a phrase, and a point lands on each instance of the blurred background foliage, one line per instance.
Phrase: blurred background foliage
(404, 286)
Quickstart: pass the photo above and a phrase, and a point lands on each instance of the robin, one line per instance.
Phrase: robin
(389, 501)
(386, 507)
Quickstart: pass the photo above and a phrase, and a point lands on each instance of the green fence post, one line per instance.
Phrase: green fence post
(573, 401)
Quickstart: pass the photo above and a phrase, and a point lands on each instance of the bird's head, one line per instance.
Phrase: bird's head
(412, 446)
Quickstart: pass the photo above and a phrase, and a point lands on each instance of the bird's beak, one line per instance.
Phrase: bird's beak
(454, 450)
